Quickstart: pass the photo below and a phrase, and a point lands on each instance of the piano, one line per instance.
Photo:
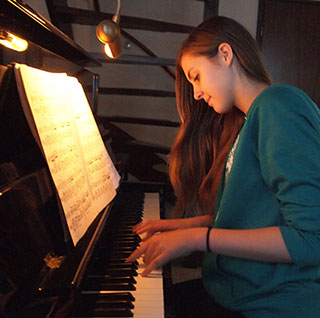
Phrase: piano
(42, 274)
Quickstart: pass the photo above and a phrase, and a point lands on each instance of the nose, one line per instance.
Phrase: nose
(197, 93)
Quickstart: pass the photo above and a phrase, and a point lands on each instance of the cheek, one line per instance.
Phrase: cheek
(222, 97)
(225, 88)
(217, 90)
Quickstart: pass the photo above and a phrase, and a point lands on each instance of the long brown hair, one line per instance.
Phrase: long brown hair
(199, 152)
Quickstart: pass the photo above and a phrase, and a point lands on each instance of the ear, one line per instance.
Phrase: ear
(226, 53)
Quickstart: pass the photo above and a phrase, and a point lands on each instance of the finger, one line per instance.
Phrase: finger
(157, 262)
(143, 236)
(143, 229)
(146, 235)
(147, 226)
(136, 254)
(152, 248)
(151, 252)
(137, 227)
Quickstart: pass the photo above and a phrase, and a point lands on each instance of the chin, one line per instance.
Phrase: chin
(221, 109)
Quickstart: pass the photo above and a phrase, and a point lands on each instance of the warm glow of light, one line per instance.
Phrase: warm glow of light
(4, 191)
(12, 41)
(108, 51)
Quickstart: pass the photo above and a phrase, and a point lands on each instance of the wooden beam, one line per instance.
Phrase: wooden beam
(89, 17)
(96, 5)
(134, 59)
(145, 49)
(211, 9)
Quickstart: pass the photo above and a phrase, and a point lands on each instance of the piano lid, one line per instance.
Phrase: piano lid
(19, 18)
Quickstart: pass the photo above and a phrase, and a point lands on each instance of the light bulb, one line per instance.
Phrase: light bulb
(12, 41)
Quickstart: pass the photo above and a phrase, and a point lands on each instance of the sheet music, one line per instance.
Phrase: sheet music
(83, 173)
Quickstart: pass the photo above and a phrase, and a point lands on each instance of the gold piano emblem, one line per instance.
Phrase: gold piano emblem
(53, 261)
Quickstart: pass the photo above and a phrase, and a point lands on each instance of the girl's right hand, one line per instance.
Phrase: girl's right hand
(163, 247)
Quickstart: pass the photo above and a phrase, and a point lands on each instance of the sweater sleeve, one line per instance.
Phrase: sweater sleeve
(289, 155)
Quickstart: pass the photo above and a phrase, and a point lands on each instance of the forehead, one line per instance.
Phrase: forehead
(191, 61)
(187, 60)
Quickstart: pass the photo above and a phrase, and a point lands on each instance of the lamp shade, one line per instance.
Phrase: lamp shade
(108, 32)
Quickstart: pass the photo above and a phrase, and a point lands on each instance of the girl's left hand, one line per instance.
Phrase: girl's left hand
(163, 247)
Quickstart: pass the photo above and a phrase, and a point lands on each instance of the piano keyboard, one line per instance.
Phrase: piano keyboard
(114, 288)
(149, 293)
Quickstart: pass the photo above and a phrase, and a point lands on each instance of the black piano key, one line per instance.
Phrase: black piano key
(115, 265)
(114, 312)
(120, 254)
(128, 242)
(110, 304)
(108, 296)
(105, 286)
(111, 259)
(126, 226)
(129, 235)
(120, 272)
(116, 260)
(104, 270)
(125, 247)
(135, 238)
(106, 258)
(88, 304)
(129, 222)
(125, 230)
(95, 280)
(103, 261)
(104, 312)
(120, 241)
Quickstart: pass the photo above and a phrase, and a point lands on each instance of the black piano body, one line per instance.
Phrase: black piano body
(41, 272)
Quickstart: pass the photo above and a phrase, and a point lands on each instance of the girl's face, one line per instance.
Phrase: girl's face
(212, 79)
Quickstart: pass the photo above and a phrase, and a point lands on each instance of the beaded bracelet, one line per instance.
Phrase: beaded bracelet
(208, 237)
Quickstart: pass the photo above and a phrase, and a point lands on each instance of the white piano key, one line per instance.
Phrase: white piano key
(149, 290)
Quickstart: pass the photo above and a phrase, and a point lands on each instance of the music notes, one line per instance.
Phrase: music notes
(81, 168)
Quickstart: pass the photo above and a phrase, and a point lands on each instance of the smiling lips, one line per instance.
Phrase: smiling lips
(207, 100)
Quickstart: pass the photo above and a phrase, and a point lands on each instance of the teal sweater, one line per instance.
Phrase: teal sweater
(273, 179)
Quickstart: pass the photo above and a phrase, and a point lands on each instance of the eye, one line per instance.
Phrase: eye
(196, 78)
